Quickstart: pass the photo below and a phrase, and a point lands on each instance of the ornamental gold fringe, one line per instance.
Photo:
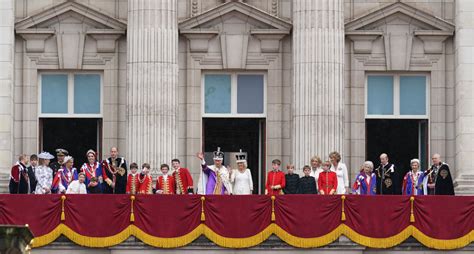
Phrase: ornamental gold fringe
(412, 215)
(203, 216)
(63, 216)
(343, 214)
(246, 242)
(273, 208)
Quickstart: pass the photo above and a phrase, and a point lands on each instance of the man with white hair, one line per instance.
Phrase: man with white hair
(386, 177)
(438, 180)
(214, 179)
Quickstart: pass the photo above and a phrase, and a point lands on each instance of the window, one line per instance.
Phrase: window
(70, 95)
(397, 96)
(234, 94)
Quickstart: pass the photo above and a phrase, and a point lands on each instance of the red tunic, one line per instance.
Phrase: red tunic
(133, 185)
(275, 178)
(327, 181)
(184, 181)
(146, 183)
(167, 186)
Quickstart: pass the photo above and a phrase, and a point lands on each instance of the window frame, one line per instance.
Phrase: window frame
(70, 99)
(233, 95)
(396, 96)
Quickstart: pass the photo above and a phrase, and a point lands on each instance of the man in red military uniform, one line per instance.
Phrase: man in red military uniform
(165, 184)
(275, 180)
(145, 180)
(184, 181)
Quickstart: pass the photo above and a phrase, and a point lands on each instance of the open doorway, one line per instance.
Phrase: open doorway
(401, 139)
(233, 134)
(76, 135)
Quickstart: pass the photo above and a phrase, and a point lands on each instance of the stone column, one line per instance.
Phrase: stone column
(152, 82)
(6, 84)
(318, 88)
(464, 95)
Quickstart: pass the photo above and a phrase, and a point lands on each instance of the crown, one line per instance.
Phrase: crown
(218, 155)
(241, 157)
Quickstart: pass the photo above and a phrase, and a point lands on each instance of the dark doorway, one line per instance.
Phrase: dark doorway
(402, 140)
(76, 135)
(233, 134)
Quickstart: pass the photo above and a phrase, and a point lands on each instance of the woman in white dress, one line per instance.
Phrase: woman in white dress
(44, 174)
(241, 178)
(341, 172)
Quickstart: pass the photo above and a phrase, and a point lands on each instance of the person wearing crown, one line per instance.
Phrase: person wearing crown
(241, 178)
(214, 179)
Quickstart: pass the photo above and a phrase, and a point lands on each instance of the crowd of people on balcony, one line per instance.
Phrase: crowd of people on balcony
(37, 174)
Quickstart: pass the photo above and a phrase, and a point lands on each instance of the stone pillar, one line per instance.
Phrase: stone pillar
(152, 82)
(318, 88)
(464, 95)
(7, 40)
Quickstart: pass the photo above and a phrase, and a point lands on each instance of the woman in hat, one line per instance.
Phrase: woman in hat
(44, 174)
(241, 178)
(93, 171)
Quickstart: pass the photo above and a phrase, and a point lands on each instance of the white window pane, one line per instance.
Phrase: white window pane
(87, 94)
(217, 93)
(250, 94)
(413, 95)
(380, 95)
(54, 94)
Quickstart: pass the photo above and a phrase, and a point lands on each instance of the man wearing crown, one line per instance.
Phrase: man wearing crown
(214, 179)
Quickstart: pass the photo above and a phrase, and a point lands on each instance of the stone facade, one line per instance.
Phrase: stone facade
(315, 56)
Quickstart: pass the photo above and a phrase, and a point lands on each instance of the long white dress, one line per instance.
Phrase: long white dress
(44, 176)
(242, 183)
(342, 177)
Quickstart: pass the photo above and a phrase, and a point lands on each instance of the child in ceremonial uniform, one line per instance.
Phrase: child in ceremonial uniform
(307, 183)
(275, 180)
(133, 183)
(145, 179)
(292, 180)
(165, 184)
(327, 181)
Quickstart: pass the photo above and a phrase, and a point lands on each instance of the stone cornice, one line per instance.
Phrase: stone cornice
(50, 13)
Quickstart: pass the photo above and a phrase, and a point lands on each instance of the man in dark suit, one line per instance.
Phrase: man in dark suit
(31, 172)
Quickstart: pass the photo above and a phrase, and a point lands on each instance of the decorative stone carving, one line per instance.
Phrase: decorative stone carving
(246, 22)
(398, 39)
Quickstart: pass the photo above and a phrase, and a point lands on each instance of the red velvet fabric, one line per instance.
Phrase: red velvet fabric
(439, 217)
(167, 215)
(97, 215)
(237, 216)
(377, 216)
(308, 215)
(444, 217)
(41, 213)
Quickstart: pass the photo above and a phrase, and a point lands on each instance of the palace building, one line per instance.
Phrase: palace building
(164, 79)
